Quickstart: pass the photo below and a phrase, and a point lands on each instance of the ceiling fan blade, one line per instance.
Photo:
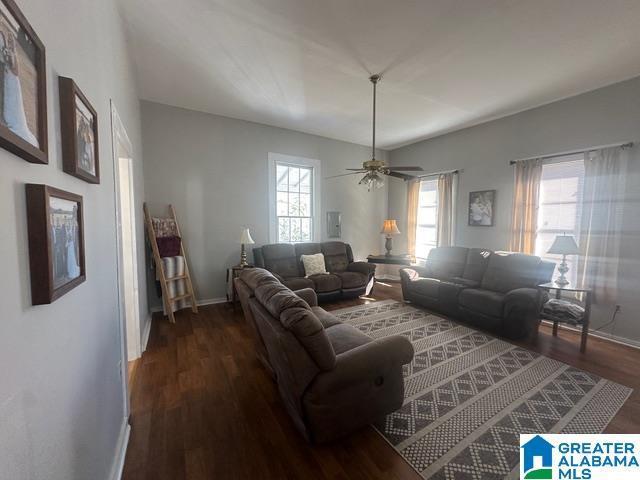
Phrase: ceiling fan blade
(343, 175)
(406, 169)
(403, 176)
(356, 169)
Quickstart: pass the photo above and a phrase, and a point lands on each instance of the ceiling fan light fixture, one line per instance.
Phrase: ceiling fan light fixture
(372, 180)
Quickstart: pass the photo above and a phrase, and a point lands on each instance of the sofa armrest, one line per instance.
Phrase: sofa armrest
(278, 276)
(308, 295)
(365, 268)
(523, 298)
(521, 314)
(413, 273)
(368, 362)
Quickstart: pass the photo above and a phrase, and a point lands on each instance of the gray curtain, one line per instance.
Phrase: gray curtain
(601, 222)
(446, 209)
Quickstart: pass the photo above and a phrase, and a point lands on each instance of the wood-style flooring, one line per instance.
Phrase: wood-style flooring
(202, 407)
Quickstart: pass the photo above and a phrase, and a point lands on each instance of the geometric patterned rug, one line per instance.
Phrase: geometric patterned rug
(468, 395)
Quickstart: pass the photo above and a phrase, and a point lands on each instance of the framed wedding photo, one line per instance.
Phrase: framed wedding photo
(79, 125)
(23, 87)
(481, 208)
(56, 242)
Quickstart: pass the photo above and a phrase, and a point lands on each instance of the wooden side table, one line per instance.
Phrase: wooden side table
(232, 273)
(588, 295)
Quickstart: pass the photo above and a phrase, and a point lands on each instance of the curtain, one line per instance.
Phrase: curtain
(526, 196)
(601, 222)
(413, 198)
(445, 209)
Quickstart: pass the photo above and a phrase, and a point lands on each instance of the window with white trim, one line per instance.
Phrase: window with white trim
(294, 198)
(427, 224)
(560, 207)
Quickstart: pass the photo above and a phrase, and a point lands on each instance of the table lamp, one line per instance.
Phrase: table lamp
(564, 245)
(245, 239)
(389, 228)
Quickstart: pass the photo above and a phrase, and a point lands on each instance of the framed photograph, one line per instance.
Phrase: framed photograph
(79, 124)
(56, 242)
(23, 87)
(481, 208)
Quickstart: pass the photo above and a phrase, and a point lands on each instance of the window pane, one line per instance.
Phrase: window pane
(282, 176)
(305, 180)
(561, 217)
(294, 179)
(305, 205)
(296, 233)
(427, 215)
(426, 232)
(306, 229)
(283, 204)
(294, 204)
(283, 230)
(426, 235)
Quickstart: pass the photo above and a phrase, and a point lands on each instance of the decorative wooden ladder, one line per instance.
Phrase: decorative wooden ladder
(164, 280)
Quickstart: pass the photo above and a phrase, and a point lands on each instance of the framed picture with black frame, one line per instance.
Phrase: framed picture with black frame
(23, 87)
(482, 208)
(79, 125)
(55, 221)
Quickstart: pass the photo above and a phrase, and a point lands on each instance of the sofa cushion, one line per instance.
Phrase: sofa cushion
(298, 283)
(326, 318)
(485, 302)
(345, 337)
(326, 282)
(277, 298)
(352, 279)
(429, 287)
(335, 256)
(308, 330)
(508, 271)
(447, 262)
(254, 277)
(281, 258)
(476, 265)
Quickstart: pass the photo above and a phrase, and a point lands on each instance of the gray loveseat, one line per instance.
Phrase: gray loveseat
(492, 290)
(333, 379)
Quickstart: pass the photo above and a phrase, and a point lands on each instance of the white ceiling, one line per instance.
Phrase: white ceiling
(304, 64)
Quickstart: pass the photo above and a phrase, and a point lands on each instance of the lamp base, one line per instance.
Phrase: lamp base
(388, 245)
(563, 268)
(243, 258)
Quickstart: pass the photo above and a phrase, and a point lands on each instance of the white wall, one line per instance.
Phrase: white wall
(61, 399)
(601, 117)
(214, 171)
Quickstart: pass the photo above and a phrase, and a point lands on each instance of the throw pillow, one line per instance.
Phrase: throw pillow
(313, 264)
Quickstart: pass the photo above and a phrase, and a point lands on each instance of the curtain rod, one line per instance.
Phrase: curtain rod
(573, 152)
(439, 173)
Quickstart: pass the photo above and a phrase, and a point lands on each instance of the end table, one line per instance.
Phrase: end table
(232, 273)
(588, 294)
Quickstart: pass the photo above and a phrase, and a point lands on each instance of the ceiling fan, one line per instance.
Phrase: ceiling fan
(374, 169)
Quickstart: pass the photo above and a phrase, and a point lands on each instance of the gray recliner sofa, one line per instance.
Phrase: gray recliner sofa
(492, 290)
(333, 379)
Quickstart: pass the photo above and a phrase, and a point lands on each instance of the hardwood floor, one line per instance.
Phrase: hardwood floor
(202, 407)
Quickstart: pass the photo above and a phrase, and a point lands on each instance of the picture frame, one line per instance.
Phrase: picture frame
(55, 223)
(79, 131)
(23, 96)
(482, 208)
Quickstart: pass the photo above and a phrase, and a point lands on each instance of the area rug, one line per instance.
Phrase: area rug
(469, 395)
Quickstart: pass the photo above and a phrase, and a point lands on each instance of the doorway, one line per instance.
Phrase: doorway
(127, 247)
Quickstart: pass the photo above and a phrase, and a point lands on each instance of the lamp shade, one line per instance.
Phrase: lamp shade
(389, 227)
(564, 245)
(245, 238)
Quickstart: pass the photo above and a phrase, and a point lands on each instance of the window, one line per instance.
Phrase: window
(559, 212)
(427, 224)
(293, 199)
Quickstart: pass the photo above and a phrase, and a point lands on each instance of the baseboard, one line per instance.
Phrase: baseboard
(200, 303)
(145, 334)
(603, 335)
(121, 451)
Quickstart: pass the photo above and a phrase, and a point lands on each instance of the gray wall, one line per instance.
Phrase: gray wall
(600, 117)
(214, 171)
(61, 398)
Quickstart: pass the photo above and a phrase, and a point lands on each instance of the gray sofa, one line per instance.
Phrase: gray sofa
(492, 290)
(333, 379)
(346, 277)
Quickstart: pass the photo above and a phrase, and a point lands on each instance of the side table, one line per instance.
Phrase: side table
(588, 294)
(232, 273)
